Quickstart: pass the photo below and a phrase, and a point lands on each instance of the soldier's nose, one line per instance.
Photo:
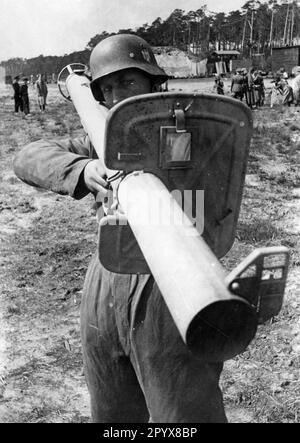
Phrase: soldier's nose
(118, 95)
(117, 100)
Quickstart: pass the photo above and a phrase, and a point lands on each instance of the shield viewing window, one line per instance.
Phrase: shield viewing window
(178, 147)
(175, 147)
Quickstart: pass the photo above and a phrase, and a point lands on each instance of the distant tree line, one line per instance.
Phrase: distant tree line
(252, 29)
(43, 64)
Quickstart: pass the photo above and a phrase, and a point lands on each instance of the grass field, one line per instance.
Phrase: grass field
(46, 241)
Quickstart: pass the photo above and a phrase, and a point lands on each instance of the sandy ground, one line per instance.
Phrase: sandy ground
(46, 242)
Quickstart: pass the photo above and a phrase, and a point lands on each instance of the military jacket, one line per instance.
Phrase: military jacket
(56, 166)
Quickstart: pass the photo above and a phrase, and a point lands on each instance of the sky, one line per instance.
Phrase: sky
(29, 28)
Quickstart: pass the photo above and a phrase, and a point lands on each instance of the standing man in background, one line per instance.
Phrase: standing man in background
(249, 89)
(17, 94)
(219, 84)
(25, 97)
(237, 85)
(42, 92)
(259, 88)
(296, 89)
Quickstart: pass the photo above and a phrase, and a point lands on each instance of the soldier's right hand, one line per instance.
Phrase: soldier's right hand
(94, 178)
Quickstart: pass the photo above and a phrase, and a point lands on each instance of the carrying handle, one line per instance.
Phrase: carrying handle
(261, 280)
(73, 68)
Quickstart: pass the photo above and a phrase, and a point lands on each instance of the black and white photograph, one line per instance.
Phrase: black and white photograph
(150, 214)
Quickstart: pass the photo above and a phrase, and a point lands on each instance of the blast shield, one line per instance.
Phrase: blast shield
(191, 142)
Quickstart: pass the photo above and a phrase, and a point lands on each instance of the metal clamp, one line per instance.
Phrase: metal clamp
(180, 120)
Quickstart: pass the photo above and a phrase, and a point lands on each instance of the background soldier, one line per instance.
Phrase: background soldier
(259, 88)
(237, 85)
(24, 96)
(17, 94)
(296, 89)
(137, 366)
(219, 84)
(285, 90)
(249, 89)
(42, 91)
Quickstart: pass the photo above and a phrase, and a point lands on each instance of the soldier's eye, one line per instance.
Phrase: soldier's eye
(106, 89)
(128, 82)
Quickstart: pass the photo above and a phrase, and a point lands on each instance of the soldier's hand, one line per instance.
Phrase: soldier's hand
(94, 178)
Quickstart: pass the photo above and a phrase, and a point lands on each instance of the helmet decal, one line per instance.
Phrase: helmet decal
(146, 54)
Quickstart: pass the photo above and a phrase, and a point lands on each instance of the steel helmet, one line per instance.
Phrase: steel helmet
(123, 51)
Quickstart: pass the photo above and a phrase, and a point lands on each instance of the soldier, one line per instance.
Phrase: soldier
(259, 88)
(296, 88)
(237, 85)
(25, 97)
(136, 364)
(249, 89)
(219, 84)
(17, 94)
(285, 90)
(42, 92)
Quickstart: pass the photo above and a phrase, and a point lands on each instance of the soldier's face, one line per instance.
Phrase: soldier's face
(124, 84)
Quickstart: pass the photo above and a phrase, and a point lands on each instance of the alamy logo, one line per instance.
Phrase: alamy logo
(180, 209)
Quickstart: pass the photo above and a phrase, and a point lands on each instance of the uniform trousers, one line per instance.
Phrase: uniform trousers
(18, 103)
(136, 364)
(25, 101)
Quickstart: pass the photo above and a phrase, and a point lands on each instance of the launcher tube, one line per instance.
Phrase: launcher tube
(92, 114)
(189, 275)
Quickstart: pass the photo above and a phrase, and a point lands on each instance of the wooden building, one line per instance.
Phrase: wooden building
(285, 57)
(220, 61)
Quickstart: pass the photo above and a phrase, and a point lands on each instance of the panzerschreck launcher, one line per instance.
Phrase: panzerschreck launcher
(176, 163)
